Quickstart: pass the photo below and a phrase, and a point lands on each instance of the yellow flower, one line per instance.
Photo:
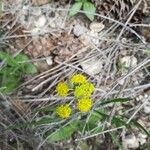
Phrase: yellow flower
(84, 104)
(78, 78)
(63, 111)
(84, 90)
(62, 89)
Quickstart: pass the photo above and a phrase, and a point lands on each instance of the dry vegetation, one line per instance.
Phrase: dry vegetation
(112, 51)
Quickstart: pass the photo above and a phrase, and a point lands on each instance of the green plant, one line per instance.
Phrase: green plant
(77, 116)
(12, 69)
(93, 125)
(87, 6)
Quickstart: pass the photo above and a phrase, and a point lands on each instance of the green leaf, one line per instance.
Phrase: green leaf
(8, 59)
(95, 117)
(75, 8)
(63, 133)
(30, 69)
(147, 51)
(10, 79)
(116, 100)
(118, 121)
(89, 9)
(0, 7)
(44, 109)
(133, 122)
(116, 140)
(21, 58)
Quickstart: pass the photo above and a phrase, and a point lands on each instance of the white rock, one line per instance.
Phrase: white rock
(121, 81)
(88, 38)
(128, 61)
(94, 37)
(35, 31)
(49, 60)
(97, 26)
(142, 138)
(24, 10)
(41, 22)
(147, 107)
(79, 30)
(37, 11)
(92, 66)
(131, 141)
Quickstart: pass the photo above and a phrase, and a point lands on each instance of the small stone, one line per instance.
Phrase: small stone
(97, 27)
(121, 82)
(88, 38)
(147, 107)
(49, 61)
(35, 31)
(42, 66)
(128, 61)
(37, 12)
(131, 141)
(92, 66)
(142, 138)
(41, 22)
(79, 30)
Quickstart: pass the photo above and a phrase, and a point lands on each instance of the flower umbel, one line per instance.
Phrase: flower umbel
(62, 89)
(63, 111)
(84, 104)
(78, 79)
(84, 90)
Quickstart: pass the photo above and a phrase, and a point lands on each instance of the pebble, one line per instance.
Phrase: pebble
(96, 26)
(78, 30)
(131, 141)
(142, 138)
(49, 60)
(147, 107)
(92, 66)
(128, 61)
(41, 22)
(88, 38)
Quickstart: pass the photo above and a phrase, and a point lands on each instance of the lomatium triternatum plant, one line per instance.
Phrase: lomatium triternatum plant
(82, 91)
(76, 115)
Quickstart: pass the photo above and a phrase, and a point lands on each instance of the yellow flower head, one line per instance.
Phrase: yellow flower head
(84, 104)
(78, 79)
(62, 89)
(63, 111)
(84, 90)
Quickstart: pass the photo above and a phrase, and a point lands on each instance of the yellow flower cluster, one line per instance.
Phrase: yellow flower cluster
(78, 79)
(82, 91)
(84, 104)
(62, 89)
(63, 111)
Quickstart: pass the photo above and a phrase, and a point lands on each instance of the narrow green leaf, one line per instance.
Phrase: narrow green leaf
(30, 69)
(21, 58)
(8, 59)
(89, 9)
(10, 79)
(116, 140)
(116, 120)
(133, 122)
(0, 7)
(44, 109)
(116, 100)
(63, 133)
(75, 8)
